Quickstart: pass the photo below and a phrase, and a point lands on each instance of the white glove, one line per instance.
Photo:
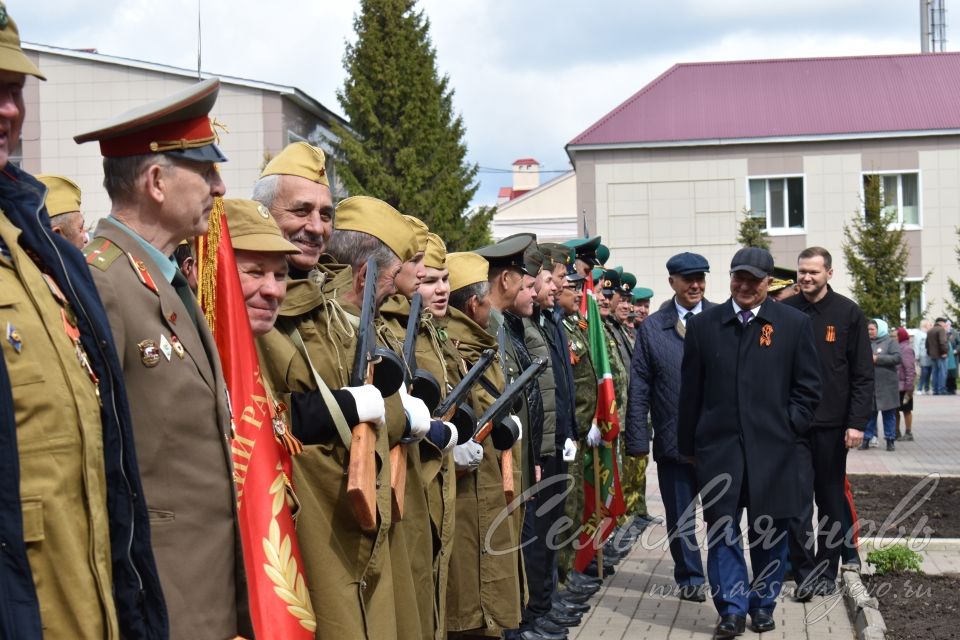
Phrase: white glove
(417, 415)
(569, 450)
(369, 403)
(454, 434)
(519, 426)
(467, 456)
(594, 437)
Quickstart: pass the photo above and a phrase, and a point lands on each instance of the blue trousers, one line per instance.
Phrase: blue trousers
(940, 376)
(925, 376)
(734, 592)
(678, 488)
(889, 425)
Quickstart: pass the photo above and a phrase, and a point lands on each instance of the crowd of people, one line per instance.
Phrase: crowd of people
(125, 473)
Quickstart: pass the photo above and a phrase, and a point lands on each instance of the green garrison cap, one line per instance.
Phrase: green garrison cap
(603, 254)
(508, 252)
(585, 248)
(642, 293)
(627, 282)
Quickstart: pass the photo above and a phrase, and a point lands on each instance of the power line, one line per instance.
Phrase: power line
(494, 170)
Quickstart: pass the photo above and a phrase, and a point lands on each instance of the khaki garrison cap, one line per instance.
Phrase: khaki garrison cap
(299, 159)
(435, 255)
(421, 230)
(466, 268)
(380, 220)
(12, 57)
(63, 195)
(252, 228)
(178, 126)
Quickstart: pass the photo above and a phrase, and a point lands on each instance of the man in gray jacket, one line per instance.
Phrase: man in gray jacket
(655, 388)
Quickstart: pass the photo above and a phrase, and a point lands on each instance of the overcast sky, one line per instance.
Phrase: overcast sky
(528, 75)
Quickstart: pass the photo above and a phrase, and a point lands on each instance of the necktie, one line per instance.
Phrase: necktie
(745, 316)
(182, 287)
(687, 315)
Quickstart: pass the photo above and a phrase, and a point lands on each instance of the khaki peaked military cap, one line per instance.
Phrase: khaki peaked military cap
(12, 57)
(379, 219)
(299, 159)
(178, 125)
(63, 195)
(420, 229)
(466, 268)
(252, 228)
(435, 255)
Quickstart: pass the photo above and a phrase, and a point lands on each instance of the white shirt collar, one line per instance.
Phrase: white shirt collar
(737, 308)
(682, 311)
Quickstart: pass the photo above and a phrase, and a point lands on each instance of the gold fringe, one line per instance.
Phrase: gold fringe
(207, 265)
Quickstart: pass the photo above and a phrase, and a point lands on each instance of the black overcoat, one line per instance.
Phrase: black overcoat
(743, 405)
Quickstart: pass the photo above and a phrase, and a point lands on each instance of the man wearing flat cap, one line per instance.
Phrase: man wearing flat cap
(63, 207)
(160, 174)
(74, 524)
(654, 391)
(750, 382)
(364, 576)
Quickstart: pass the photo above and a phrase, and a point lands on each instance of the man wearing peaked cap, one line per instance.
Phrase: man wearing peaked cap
(74, 524)
(160, 174)
(295, 187)
(63, 207)
(586, 253)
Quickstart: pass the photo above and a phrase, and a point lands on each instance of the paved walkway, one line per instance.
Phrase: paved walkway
(636, 603)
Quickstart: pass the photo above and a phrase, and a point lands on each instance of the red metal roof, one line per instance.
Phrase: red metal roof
(525, 161)
(793, 97)
(505, 192)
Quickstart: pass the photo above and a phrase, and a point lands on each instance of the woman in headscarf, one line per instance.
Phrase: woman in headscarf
(907, 375)
(886, 358)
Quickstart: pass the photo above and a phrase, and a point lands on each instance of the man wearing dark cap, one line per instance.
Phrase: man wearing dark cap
(73, 521)
(160, 175)
(654, 391)
(586, 253)
(750, 382)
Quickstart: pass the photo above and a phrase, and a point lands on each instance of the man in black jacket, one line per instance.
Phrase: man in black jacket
(654, 388)
(750, 383)
(846, 368)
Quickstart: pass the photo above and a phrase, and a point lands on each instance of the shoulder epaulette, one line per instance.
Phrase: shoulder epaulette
(101, 253)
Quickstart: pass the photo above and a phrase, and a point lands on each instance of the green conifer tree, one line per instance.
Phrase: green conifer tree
(876, 257)
(405, 142)
(953, 308)
(753, 231)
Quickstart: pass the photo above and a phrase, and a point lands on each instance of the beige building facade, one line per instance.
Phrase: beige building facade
(548, 210)
(83, 89)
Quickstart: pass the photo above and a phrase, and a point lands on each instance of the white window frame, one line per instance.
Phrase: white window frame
(899, 221)
(780, 231)
(903, 295)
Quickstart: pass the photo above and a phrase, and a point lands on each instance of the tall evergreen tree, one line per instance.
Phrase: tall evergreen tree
(876, 256)
(405, 143)
(753, 231)
(954, 307)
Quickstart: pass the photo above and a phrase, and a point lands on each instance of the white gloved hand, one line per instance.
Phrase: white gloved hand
(594, 437)
(369, 403)
(467, 456)
(454, 434)
(569, 450)
(418, 416)
(519, 426)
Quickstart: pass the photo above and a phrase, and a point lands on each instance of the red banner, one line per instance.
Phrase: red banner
(279, 600)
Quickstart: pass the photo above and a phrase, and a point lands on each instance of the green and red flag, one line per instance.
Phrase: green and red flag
(279, 601)
(598, 524)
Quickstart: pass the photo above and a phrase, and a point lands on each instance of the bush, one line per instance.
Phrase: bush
(895, 559)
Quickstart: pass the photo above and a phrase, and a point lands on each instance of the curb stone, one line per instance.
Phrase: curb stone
(864, 610)
(916, 544)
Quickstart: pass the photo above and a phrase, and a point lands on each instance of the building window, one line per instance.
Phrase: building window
(913, 308)
(899, 195)
(779, 200)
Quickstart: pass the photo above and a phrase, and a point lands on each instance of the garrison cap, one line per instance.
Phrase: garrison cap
(627, 282)
(299, 159)
(585, 248)
(611, 281)
(420, 230)
(435, 255)
(686, 263)
(12, 57)
(508, 252)
(603, 254)
(641, 293)
(178, 126)
(252, 228)
(63, 195)
(378, 219)
(466, 268)
(754, 260)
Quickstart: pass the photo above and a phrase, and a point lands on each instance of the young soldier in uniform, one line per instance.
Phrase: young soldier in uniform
(73, 521)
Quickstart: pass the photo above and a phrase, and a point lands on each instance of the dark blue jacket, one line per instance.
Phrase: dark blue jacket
(655, 385)
(136, 583)
(563, 373)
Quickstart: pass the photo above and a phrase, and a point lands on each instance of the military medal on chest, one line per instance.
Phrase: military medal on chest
(149, 353)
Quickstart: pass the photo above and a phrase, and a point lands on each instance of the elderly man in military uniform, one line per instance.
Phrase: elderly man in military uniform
(362, 575)
(63, 207)
(160, 174)
(483, 595)
(77, 556)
